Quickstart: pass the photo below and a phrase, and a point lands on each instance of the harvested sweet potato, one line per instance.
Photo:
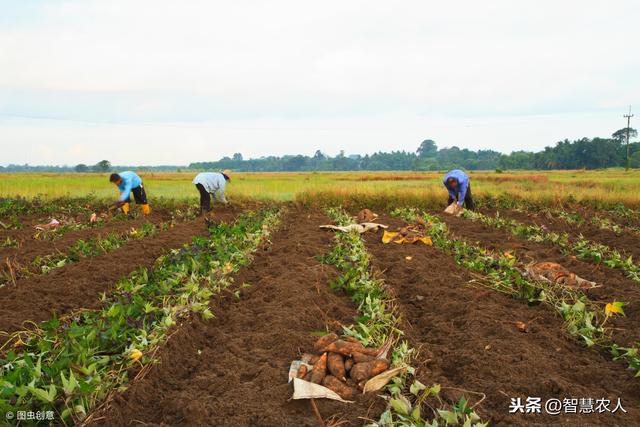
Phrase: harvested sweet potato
(309, 358)
(347, 348)
(324, 341)
(302, 371)
(351, 339)
(307, 377)
(348, 363)
(343, 390)
(335, 363)
(365, 370)
(319, 369)
(359, 357)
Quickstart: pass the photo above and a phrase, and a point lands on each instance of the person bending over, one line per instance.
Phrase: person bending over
(129, 182)
(211, 184)
(459, 188)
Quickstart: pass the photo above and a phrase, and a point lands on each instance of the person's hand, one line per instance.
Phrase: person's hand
(116, 205)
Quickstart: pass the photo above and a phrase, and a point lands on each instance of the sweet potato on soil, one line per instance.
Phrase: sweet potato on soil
(307, 377)
(343, 390)
(359, 357)
(365, 370)
(347, 348)
(335, 363)
(348, 364)
(302, 371)
(319, 369)
(324, 341)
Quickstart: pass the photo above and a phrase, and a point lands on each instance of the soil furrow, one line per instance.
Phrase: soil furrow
(469, 340)
(79, 285)
(614, 285)
(232, 370)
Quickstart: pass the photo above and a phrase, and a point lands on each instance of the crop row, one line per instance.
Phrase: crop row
(505, 273)
(68, 207)
(11, 207)
(378, 324)
(602, 219)
(580, 247)
(509, 201)
(69, 365)
(92, 247)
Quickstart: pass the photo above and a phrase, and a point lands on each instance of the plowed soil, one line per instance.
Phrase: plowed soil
(615, 286)
(79, 285)
(232, 370)
(31, 248)
(626, 243)
(631, 221)
(469, 340)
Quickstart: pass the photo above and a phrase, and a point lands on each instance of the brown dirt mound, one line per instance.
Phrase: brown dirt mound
(469, 341)
(615, 286)
(79, 285)
(232, 370)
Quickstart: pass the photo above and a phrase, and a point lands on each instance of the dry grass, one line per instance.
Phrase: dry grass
(398, 188)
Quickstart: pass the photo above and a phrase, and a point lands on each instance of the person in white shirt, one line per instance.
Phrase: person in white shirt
(211, 184)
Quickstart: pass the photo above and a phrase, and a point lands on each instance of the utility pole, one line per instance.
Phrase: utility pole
(628, 117)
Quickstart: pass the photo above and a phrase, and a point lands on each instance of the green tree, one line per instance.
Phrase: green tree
(621, 134)
(319, 155)
(103, 166)
(82, 168)
(427, 148)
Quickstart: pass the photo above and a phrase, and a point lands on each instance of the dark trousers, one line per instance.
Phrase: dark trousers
(205, 198)
(468, 200)
(139, 195)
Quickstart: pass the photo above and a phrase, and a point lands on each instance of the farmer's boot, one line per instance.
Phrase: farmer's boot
(146, 209)
(125, 208)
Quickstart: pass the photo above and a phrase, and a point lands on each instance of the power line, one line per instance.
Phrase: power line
(628, 117)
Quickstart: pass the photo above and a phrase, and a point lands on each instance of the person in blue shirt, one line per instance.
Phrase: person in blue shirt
(459, 188)
(211, 184)
(129, 182)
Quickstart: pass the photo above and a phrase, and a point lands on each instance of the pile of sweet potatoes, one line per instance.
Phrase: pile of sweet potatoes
(343, 365)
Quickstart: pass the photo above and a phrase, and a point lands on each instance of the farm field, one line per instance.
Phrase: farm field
(180, 319)
(606, 187)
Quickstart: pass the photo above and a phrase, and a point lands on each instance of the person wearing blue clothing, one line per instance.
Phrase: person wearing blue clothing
(459, 188)
(211, 184)
(129, 182)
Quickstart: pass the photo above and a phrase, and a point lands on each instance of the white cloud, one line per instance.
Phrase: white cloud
(128, 71)
(183, 143)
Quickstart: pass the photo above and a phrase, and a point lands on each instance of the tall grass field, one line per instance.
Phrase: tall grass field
(602, 186)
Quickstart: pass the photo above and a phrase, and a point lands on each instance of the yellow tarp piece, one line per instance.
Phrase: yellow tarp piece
(396, 237)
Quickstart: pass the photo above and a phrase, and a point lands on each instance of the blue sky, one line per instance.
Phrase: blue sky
(157, 82)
